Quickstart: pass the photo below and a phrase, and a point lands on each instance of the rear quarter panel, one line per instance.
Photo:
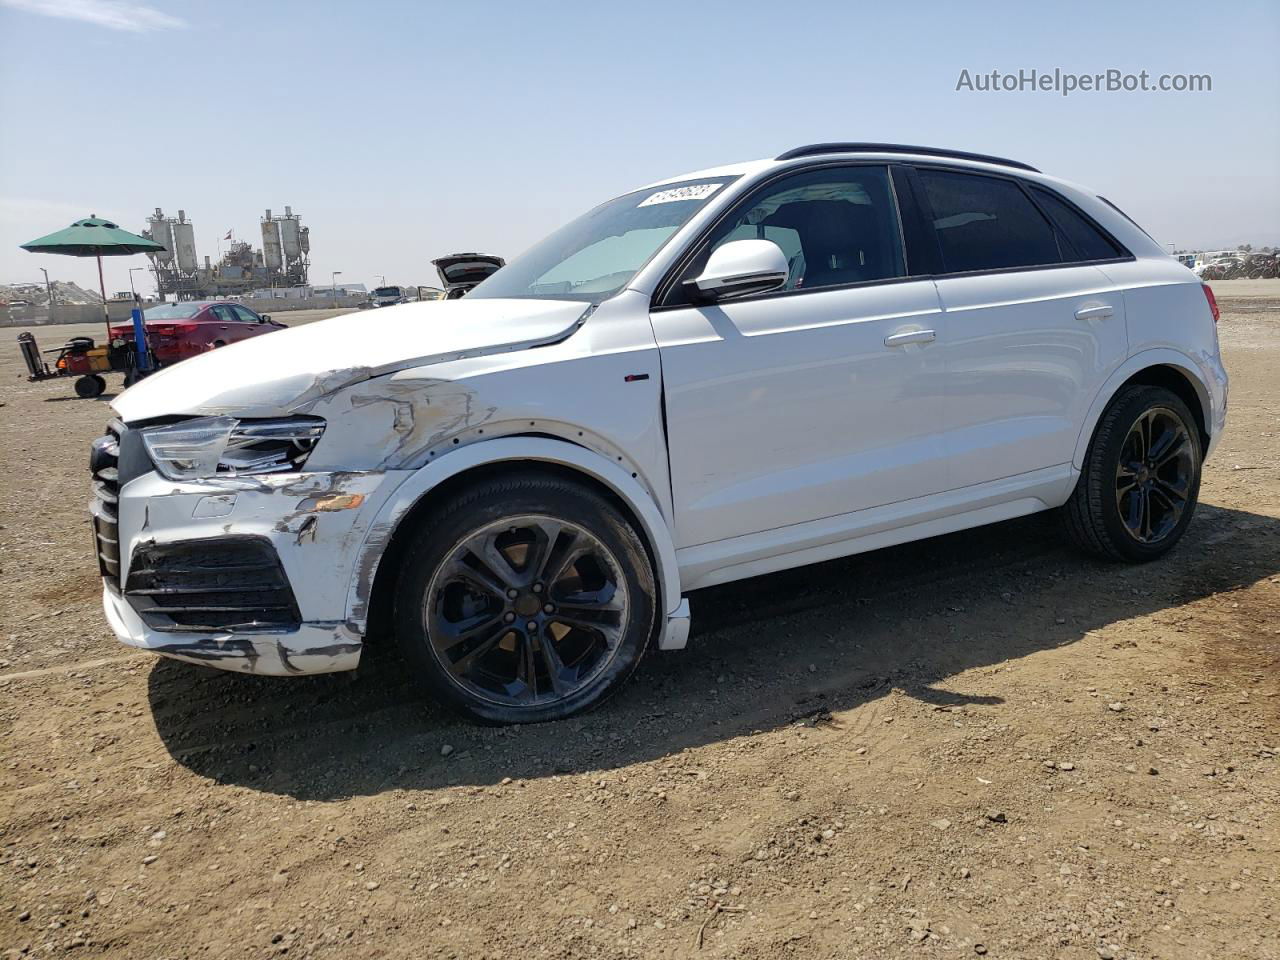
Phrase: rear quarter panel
(1167, 312)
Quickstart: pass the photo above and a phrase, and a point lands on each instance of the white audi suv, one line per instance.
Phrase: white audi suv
(712, 377)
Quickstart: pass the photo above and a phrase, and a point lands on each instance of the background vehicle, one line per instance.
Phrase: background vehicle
(730, 373)
(460, 272)
(176, 331)
(391, 295)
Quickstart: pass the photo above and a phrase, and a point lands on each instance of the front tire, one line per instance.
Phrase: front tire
(525, 599)
(1141, 478)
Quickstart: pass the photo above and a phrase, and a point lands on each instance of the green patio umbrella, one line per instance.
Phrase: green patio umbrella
(93, 237)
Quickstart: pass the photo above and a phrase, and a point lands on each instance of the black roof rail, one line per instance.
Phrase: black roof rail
(817, 149)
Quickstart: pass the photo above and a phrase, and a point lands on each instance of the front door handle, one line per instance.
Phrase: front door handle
(1095, 313)
(911, 336)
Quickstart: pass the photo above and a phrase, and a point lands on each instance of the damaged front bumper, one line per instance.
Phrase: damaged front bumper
(181, 596)
(311, 648)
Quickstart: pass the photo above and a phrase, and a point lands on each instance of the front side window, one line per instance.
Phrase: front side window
(224, 313)
(835, 226)
(1087, 241)
(595, 256)
(245, 315)
(986, 223)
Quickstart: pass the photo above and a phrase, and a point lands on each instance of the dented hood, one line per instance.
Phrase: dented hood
(279, 373)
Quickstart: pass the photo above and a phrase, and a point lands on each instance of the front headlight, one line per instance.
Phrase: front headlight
(213, 446)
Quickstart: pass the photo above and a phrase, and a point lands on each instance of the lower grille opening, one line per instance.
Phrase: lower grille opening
(219, 583)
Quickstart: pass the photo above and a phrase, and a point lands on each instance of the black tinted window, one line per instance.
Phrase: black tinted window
(835, 226)
(1088, 242)
(984, 223)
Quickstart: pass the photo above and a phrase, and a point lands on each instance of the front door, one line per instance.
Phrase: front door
(816, 400)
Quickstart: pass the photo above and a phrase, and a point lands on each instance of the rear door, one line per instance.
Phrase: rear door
(815, 400)
(1034, 327)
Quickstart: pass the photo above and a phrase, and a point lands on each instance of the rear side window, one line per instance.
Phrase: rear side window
(985, 223)
(1088, 241)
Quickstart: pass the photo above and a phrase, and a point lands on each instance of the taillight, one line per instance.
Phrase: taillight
(1213, 302)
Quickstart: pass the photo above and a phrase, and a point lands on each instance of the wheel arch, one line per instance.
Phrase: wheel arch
(370, 591)
(1161, 368)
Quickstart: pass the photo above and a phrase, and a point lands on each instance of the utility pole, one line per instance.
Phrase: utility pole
(48, 286)
(383, 278)
(333, 286)
(131, 286)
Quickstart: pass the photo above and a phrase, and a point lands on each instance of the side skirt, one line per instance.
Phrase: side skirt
(768, 551)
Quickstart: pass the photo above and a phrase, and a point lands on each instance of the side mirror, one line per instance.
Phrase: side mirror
(264, 317)
(738, 269)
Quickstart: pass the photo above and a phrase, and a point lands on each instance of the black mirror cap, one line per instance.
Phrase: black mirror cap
(696, 294)
(748, 286)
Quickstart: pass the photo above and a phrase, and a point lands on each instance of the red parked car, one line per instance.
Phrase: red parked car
(176, 331)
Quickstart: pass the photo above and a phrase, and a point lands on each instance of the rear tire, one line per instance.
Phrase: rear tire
(1141, 478)
(524, 599)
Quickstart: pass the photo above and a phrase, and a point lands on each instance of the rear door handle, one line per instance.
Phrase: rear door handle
(1095, 313)
(911, 336)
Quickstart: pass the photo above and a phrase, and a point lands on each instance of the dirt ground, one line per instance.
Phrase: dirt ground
(981, 745)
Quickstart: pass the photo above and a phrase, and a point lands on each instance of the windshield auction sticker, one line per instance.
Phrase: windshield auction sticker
(699, 191)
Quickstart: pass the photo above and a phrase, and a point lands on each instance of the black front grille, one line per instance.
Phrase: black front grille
(104, 461)
(219, 583)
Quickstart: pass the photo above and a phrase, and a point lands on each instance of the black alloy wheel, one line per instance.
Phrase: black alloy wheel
(1154, 475)
(526, 610)
(1140, 481)
(525, 598)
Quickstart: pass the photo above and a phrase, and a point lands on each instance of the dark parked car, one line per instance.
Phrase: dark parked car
(176, 331)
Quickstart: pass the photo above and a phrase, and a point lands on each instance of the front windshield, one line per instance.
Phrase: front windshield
(387, 292)
(595, 256)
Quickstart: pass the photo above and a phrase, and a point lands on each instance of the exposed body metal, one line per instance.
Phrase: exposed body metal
(742, 437)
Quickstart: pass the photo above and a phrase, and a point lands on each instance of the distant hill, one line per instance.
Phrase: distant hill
(63, 292)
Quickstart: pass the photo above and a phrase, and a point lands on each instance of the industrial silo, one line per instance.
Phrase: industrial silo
(184, 242)
(271, 244)
(161, 233)
(289, 235)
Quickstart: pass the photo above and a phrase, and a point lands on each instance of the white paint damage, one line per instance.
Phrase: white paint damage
(284, 372)
(394, 428)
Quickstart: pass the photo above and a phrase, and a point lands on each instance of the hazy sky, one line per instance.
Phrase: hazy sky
(402, 131)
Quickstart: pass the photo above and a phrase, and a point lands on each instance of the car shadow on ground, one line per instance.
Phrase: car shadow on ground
(101, 398)
(788, 648)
